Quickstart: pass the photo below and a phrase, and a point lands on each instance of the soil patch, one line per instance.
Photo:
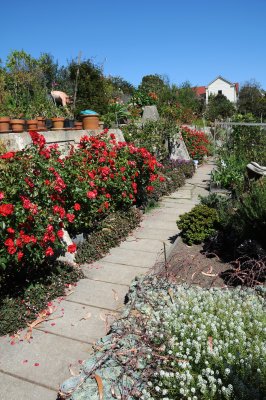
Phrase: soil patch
(188, 265)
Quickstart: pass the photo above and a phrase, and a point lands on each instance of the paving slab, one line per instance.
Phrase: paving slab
(148, 245)
(182, 208)
(113, 273)
(181, 194)
(160, 234)
(78, 322)
(168, 203)
(53, 355)
(134, 258)
(109, 296)
(168, 225)
(159, 216)
(12, 388)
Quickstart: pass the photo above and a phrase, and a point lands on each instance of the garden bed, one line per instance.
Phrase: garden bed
(175, 341)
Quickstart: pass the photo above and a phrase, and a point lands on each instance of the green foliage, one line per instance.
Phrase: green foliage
(252, 100)
(229, 172)
(116, 114)
(156, 136)
(152, 83)
(198, 224)
(121, 86)
(172, 177)
(219, 107)
(23, 295)
(109, 233)
(247, 142)
(243, 145)
(91, 88)
(251, 211)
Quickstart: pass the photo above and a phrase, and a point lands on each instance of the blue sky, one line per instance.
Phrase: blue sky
(193, 40)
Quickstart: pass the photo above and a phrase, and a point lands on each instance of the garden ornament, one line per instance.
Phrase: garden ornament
(256, 169)
(61, 98)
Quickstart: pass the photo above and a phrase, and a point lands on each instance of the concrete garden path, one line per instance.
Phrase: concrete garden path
(34, 370)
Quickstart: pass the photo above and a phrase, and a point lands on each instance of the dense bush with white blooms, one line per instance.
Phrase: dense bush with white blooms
(212, 346)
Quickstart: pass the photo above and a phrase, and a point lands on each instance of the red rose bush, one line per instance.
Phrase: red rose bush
(43, 192)
(197, 142)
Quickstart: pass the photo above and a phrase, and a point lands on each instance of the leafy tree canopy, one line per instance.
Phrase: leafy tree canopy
(252, 100)
(219, 107)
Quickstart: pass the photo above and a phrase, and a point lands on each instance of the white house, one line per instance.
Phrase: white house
(222, 86)
(219, 85)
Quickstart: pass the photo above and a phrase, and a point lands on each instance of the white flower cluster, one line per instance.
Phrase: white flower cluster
(212, 345)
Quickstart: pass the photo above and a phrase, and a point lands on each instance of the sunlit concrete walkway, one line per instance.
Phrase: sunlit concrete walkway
(34, 371)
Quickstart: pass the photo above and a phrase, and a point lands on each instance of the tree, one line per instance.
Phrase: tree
(252, 100)
(153, 84)
(219, 107)
(121, 85)
(91, 86)
(49, 69)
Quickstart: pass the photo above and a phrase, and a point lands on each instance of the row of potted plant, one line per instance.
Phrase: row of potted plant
(40, 123)
(43, 124)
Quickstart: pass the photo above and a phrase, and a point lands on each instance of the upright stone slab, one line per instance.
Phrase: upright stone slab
(150, 113)
(179, 150)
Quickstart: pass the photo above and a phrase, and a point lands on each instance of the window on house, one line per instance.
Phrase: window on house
(220, 92)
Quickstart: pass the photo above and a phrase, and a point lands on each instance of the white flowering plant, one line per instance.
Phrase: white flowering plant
(210, 345)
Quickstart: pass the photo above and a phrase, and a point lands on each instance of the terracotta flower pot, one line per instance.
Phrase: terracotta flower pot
(32, 124)
(58, 123)
(90, 121)
(78, 125)
(41, 124)
(17, 125)
(4, 124)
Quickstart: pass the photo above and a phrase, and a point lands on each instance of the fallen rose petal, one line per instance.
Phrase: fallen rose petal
(24, 361)
(36, 365)
(53, 324)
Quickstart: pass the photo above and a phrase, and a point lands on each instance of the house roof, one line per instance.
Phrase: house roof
(225, 80)
(199, 90)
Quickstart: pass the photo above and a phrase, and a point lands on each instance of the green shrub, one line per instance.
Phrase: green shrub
(252, 211)
(153, 135)
(24, 294)
(198, 224)
(110, 232)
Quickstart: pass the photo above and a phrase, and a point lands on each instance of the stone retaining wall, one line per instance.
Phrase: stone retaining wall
(17, 141)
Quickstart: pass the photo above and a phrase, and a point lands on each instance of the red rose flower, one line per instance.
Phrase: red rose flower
(77, 207)
(70, 217)
(10, 154)
(49, 252)
(6, 209)
(11, 250)
(11, 231)
(9, 242)
(72, 248)
(20, 255)
(91, 194)
(60, 233)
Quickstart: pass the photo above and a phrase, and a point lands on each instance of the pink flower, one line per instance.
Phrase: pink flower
(91, 194)
(2, 195)
(70, 217)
